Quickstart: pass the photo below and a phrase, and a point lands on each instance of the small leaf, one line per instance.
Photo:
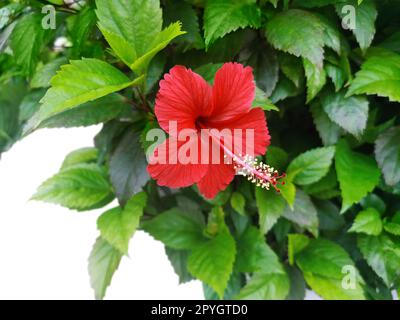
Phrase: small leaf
(367, 221)
(303, 213)
(349, 113)
(380, 75)
(128, 164)
(80, 187)
(176, 229)
(103, 262)
(222, 17)
(79, 82)
(382, 255)
(328, 130)
(296, 243)
(79, 156)
(118, 225)
(311, 166)
(387, 154)
(358, 174)
(270, 208)
(212, 261)
(316, 79)
(282, 32)
(266, 286)
(238, 202)
(365, 16)
(178, 259)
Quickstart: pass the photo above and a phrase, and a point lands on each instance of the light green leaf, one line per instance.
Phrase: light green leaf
(222, 17)
(176, 229)
(349, 113)
(89, 113)
(288, 191)
(212, 261)
(103, 262)
(282, 32)
(323, 263)
(79, 82)
(358, 174)
(336, 74)
(118, 225)
(270, 208)
(311, 166)
(133, 30)
(80, 187)
(43, 75)
(296, 243)
(380, 75)
(383, 256)
(266, 286)
(387, 154)
(316, 79)
(238, 202)
(367, 221)
(253, 254)
(27, 40)
(261, 100)
(79, 156)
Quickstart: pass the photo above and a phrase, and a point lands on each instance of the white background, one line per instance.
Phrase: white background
(44, 248)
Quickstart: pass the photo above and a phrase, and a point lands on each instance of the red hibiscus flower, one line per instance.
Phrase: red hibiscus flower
(187, 100)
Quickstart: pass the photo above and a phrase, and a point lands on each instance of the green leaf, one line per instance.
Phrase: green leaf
(265, 68)
(43, 75)
(288, 191)
(328, 130)
(311, 166)
(323, 263)
(387, 154)
(382, 255)
(266, 286)
(336, 74)
(176, 229)
(253, 254)
(212, 261)
(235, 283)
(291, 68)
(380, 75)
(296, 243)
(261, 100)
(329, 216)
(316, 79)
(79, 156)
(83, 23)
(358, 174)
(89, 113)
(79, 82)
(128, 164)
(80, 187)
(238, 202)
(270, 208)
(222, 17)
(367, 221)
(103, 262)
(304, 213)
(373, 201)
(350, 113)
(118, 225)
(27, 40)
(133, 30)
(282, 32)
(365, 16)
(183, 11)
(178, 259)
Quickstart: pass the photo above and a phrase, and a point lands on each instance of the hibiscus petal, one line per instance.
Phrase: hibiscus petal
(217, 178)
(183, 97)
(167, 168)
(251, 135)
(233, 91)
